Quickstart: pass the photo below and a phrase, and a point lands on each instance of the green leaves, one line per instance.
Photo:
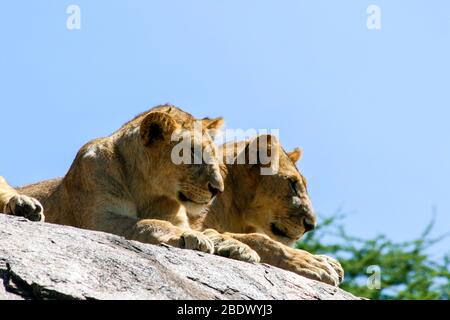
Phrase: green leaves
(407, 270)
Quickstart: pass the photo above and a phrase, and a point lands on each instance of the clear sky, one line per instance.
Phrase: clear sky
(371, 108)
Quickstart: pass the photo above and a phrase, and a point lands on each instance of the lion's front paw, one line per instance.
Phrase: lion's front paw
(237, 250)
(24, 206)
(315, 267)
(195, 240)
(336, 266)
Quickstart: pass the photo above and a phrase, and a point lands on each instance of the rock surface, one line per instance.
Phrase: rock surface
(45, 261)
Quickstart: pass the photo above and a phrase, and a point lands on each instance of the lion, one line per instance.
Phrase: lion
(268, 213)
(126, 183)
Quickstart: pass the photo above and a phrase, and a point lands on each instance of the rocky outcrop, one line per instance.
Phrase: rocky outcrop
(46, 261)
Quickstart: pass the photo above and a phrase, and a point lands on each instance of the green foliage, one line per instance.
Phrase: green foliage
(407, 271)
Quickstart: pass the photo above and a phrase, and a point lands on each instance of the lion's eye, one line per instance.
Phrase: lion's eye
(294, 186)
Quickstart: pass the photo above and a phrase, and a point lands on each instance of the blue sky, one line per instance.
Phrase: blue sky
(371, 108)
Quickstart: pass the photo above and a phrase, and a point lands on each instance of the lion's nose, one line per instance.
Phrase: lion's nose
(214, 191)
(215, 183)
(309, 223)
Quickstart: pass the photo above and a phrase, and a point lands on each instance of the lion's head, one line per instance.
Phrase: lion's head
(275, 204)
(182, 155)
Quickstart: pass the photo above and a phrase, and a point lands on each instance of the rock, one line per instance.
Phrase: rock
(46, 261)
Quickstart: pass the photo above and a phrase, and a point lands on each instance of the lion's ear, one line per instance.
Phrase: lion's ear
(260, 152)
(213, 125)
(157, 126)
(295, 154)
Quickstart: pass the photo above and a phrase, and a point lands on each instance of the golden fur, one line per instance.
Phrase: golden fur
(268, 213)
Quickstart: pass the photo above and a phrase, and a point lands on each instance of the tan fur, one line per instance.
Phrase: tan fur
(252, 203)
(126, 183)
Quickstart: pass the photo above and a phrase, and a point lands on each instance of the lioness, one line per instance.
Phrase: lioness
(269, 213)
(126, 183)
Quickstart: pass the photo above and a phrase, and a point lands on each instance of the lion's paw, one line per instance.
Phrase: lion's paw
(195, 240)
(237, 250)
(24, 206)
(316, 267)
(335, 265)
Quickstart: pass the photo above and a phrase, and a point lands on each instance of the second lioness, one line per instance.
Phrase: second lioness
(269, 213)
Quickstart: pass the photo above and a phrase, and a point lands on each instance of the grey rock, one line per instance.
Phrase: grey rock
(46, 261)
